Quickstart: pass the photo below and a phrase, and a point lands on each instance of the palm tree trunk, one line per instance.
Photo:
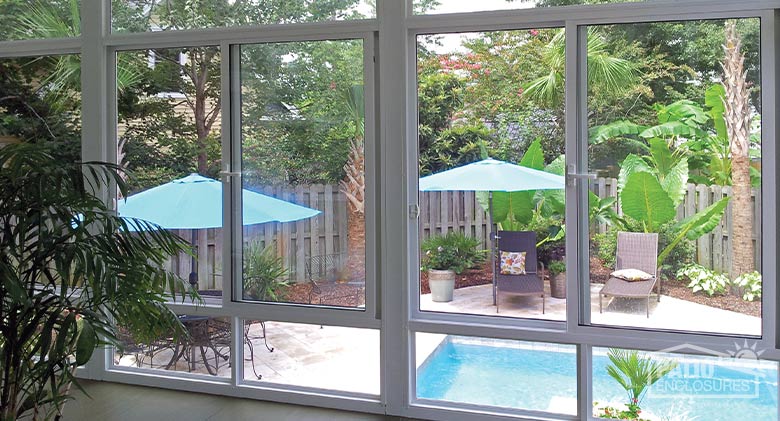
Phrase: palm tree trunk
(738, 125)
(354, 187)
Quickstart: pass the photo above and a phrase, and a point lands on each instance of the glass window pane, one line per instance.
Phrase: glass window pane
(40, 102)
(163, 15)
(500, 373)
(675, 141)
(169, 139)
(497, 95)
(39, 19)
(205, 349)
(303, 169)
(465, 6)
(721, 385)
(323, 357)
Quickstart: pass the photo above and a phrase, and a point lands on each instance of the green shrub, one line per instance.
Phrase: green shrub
(548, 227)
(750, 285)
(264, 273)
(556, 267)
(703, 279)
(683, 254)
(454, 251)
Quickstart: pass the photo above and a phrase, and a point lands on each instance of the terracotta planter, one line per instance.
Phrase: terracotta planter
(442, 283)
(558, 285)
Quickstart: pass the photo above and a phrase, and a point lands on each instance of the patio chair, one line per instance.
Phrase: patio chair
(634, 251)
(324, 273)
(528, 283)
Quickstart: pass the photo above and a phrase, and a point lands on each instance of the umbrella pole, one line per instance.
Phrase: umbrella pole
(194, 261)
(492, 237)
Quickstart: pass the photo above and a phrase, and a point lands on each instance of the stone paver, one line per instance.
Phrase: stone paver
(669, 313)
(347, 359)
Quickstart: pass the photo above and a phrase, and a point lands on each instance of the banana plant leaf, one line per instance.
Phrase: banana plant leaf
(696, 225)
(616, 129)
(674, 129)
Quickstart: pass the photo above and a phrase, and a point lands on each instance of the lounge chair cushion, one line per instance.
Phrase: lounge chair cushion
(631, 275)
(513, 263)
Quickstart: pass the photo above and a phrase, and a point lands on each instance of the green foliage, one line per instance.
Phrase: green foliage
(635, 373)
(454, 147)
(36, 114)
(651, 187)
(606, 72)
(69, 270)
(644, 199)
(681, 254)
(264, 273)
(454, 251)
(750, 285)
(703, 279)
(517, 211)
(556, 267)
(602, 211)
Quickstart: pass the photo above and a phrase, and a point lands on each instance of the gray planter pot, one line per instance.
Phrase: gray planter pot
(442, 283)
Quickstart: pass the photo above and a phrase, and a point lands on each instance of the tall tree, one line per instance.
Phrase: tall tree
(737, 104)
(354, 184)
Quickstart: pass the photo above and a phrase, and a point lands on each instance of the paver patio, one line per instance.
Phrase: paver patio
(669, 313)
(347, 359)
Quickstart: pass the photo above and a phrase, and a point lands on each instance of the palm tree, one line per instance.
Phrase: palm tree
(737, 104)
(635, 372)
(46, 22)
(605, 72)
(353, 186)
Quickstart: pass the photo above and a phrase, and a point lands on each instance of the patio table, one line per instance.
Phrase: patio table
(201, 332)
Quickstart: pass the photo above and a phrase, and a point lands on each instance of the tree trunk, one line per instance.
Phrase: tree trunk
(356, 243)
(738, 124)
(354, 188)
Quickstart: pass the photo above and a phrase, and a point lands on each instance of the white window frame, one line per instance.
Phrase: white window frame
(394, 186)
(576, 329)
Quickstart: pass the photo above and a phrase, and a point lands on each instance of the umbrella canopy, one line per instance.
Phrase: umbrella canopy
(195, 202)
(491, 175)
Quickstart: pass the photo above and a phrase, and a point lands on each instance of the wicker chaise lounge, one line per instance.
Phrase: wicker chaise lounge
(634, 251)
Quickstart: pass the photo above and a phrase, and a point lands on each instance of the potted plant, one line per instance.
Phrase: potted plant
(443, 257)
(70, 268)
(557, 269)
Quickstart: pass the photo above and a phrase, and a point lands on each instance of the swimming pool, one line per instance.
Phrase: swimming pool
(519, 375)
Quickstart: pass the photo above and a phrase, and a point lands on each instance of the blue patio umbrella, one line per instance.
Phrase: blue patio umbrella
(491, 175)
(195, 202)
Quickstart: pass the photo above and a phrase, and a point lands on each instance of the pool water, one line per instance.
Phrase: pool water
(546, 380)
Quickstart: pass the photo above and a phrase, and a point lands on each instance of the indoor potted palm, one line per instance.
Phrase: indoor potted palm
(71, 270)
(445, 256)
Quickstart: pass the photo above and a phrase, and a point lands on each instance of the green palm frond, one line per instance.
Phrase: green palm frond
(45, 22)
(635, 372)
(605, 71)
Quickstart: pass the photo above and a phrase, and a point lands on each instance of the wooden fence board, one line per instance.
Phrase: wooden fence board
(440, 212)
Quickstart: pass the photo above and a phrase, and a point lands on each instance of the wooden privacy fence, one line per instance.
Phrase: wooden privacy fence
(714, 250)
(323, 234)
(441, 212)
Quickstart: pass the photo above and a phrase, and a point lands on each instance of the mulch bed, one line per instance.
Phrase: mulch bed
(469, 278)
(350, 295)
(677, 289)
(341, 295)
